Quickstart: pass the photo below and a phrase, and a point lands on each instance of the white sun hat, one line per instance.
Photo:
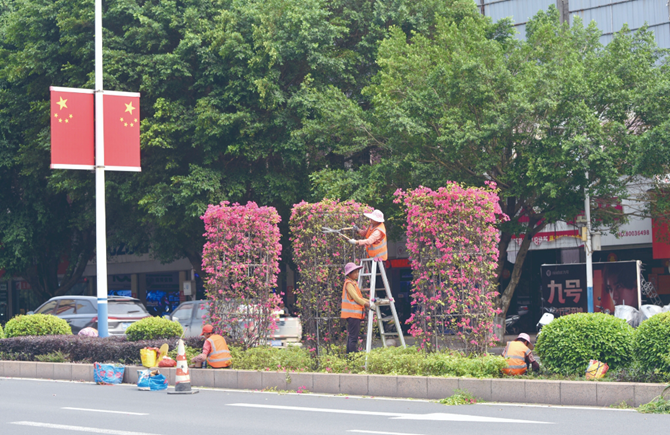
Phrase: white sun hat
(376, 216)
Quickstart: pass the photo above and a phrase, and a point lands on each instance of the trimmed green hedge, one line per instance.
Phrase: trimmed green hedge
(568, 343)
(151, 328)
(35, 325)
(2, 334)
(652, 342)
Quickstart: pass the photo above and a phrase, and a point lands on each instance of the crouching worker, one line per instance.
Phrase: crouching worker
(353, 305)
(519, 356)
(215, 352)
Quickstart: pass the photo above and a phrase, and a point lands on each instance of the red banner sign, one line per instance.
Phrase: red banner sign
(72, 128)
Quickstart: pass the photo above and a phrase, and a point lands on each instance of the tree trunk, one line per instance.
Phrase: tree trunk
(506, 297)
(43, 276)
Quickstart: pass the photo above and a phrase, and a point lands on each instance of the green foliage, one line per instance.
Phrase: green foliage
(2, 333)
(460, 397)
(56, 357)
(568, 343)
(36, 324)
(151, 328)
(634, 372)
(660, 405)
(652, 342)
(292, 358)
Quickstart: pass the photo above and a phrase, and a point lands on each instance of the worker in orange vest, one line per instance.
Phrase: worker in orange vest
(215, 350)
(353, 305)
(519, 356)
(375, 236)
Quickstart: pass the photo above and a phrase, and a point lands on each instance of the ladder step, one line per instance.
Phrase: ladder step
(387, 318)
(390, 333)
(382, 302)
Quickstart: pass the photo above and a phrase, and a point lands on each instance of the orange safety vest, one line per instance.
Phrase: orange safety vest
(516, 353)
(350, 308)
(378, 251)
(219, 356)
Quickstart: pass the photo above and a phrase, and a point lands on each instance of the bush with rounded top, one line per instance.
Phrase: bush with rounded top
(652, 342)
(36, 324)
(2, 334)
(151, 328)
(568, 343)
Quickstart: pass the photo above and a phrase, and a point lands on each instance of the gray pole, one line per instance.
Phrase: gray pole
(100, 213)
(588, 247)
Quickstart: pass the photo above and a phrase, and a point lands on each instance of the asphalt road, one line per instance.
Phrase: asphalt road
(31, 407)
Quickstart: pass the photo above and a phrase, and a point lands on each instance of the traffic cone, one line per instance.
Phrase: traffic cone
(182, 379)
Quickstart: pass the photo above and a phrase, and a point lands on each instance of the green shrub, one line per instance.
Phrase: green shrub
(568, 343)
(2, 334)
(151, 328)
(652, 342)
(268, 358)
(36, 324)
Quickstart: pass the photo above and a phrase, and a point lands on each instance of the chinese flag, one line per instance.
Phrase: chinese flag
(72, 128)
(121, 112)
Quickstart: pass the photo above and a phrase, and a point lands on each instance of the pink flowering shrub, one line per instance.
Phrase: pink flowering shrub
(241, 260)
(320, 260)
(452, 241)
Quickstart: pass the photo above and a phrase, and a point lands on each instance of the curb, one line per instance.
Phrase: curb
(573, 393)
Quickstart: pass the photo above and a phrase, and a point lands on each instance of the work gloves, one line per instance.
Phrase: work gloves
(355, 227)
(352, 241)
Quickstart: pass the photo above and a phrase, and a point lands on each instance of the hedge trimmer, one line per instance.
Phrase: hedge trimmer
(328, 230)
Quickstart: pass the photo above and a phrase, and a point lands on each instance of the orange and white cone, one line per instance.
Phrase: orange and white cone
(182, 378)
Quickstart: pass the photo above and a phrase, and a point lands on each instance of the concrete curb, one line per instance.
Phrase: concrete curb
(583, 393)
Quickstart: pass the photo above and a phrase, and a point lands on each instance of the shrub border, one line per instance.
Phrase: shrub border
(574, 393)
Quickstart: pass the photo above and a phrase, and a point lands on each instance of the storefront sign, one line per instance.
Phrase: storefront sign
(616, 283)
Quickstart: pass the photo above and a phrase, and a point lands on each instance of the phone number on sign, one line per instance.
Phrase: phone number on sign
(634, 233)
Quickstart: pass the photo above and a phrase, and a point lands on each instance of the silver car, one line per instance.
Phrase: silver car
(192, 315)
(82, 311)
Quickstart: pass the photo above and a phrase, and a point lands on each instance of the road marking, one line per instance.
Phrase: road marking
(105, 410)
(395, 415)
(78, 428)
(381, 433)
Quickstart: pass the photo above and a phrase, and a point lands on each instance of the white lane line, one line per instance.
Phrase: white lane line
(381, 433)
(78, 428)
(395, 415)
(105, 410)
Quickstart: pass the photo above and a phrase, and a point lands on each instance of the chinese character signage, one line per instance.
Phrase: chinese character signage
(614, 283)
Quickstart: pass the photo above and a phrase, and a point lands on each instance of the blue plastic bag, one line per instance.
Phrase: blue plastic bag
(158, 382)
(143, 379)
(108, 374)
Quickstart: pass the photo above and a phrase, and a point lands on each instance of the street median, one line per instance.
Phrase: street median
(579, 393)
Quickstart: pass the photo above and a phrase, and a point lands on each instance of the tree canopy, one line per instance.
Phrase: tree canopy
(277, 101)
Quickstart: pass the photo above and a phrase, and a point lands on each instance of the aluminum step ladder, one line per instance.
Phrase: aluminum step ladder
(372, 270)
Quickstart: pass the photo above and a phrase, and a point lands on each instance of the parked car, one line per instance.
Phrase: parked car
(82, 311)
(190, 316)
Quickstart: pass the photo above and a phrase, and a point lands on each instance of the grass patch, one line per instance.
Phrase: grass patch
(660, 405)
(54, 357)
(461, 397)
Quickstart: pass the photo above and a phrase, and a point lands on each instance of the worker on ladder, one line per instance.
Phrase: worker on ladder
(353, 305)
(375, 236)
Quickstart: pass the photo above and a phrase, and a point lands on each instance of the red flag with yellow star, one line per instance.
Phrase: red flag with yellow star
(72, 128)
(121, 113)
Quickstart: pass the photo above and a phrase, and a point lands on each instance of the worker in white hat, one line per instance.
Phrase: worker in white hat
(375, 236)
(519, 355)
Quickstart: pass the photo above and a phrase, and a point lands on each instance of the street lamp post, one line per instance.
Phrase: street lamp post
(588, 247)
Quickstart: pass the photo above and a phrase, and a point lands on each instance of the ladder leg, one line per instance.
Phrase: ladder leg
(389, 295)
